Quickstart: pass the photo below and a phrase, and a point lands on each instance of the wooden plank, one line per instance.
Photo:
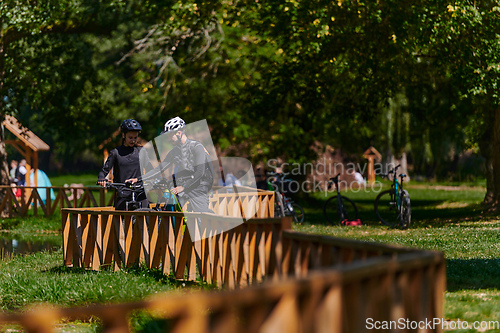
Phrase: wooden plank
(261, 248)
(243, 267)
(351, 244)
(192, 257)
(287, 256)
(284, 317)
(217, 259)
(252, 250)
(95, 221)
(156, 242)
(76, 237)
(204, 251)
(268, 243)
(328, 314)
(170, 254)
(296, 258)
(53, 204)
(275, 264)
(107, 227)
(180, 256)
(117, 242)
(439, 288)
(305, 256)
(67, 243)
(39, 201)
(86, 239)
(48, 200)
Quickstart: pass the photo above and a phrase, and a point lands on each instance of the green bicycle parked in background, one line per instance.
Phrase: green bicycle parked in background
(393, 206)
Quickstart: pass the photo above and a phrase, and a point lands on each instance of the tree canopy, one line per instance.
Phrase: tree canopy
(271, 78)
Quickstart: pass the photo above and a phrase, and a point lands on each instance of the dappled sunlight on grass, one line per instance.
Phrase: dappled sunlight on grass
(445, 218)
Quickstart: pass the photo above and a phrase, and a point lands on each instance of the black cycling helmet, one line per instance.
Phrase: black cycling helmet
(130, 125)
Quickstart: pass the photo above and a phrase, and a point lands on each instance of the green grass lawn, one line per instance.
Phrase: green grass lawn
(444, 218)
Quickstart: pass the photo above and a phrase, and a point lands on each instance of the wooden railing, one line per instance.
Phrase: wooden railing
(409, 286)
(95, 238)
(243, 201)
(229, 204)
(294, 282)
(75, 197)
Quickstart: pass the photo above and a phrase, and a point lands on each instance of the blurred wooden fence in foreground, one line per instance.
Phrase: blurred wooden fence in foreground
(278, 280)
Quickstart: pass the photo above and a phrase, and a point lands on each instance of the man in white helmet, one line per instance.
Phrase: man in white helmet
(190, 158)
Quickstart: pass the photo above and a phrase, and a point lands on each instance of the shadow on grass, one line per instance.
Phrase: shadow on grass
(425, 212)
(472, 274)
(140, 270)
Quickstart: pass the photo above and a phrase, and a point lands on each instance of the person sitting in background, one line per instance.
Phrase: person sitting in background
(260, 179)
(359, 178)
(227, 178)
(12, 174)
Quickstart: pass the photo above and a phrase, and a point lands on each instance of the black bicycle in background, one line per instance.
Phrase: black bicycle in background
(283, 204)
(392, 206)
(339, 208)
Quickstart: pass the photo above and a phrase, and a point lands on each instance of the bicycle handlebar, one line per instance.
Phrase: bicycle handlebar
(393, 171)
(133, 187)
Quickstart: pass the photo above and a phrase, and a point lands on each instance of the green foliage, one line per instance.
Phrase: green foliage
(270, 78)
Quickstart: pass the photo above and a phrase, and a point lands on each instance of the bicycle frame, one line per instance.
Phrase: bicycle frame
(287, 201)
(398, 189)
(340, 202)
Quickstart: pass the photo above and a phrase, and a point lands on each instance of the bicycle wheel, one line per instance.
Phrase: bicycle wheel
(297, 213)
(386, 208)
(335, 214)
(279, 210)
(405, 217)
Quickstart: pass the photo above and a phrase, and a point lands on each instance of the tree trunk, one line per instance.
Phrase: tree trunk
(4, 168)
(495, 159)
(486, 151)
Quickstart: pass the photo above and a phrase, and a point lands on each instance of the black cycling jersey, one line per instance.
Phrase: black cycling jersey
(125, 163)
(189, 158)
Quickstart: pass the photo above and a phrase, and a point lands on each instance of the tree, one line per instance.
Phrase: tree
(46, 63)
(465, 42)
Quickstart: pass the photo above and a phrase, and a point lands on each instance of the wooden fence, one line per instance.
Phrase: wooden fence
(93, 196)
(342, 299)
(95, 238)
(276, 280)
(294, 281)
(75, 197)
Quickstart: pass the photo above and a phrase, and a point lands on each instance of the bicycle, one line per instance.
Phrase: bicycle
(166, 200)
(344, 208)
(393, 206)
(134, 188)
(284, 205)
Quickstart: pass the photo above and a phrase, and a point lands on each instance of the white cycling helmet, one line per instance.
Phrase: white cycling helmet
(173, 124)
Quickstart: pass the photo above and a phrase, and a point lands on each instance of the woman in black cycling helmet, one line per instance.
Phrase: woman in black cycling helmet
(124, 160)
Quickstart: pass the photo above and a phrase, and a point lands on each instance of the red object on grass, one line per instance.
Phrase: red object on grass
(352, 222)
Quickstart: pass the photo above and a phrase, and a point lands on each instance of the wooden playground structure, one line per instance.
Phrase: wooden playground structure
(27, 144)
(272, 278)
